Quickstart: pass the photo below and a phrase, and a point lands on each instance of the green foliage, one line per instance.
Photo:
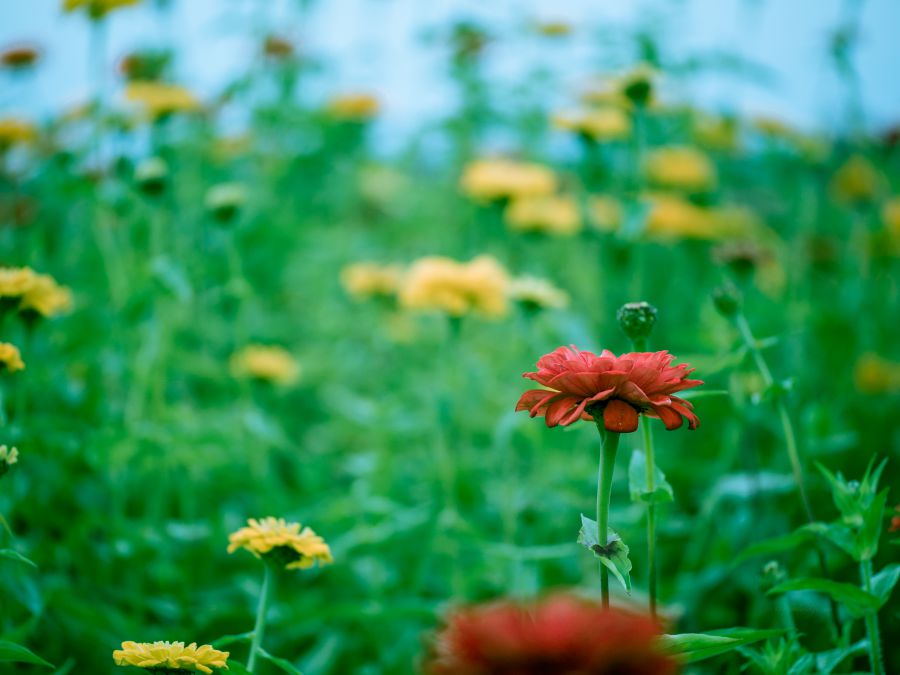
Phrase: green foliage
(613, 555)
(637, 481)
(10, 652)
(693, 647)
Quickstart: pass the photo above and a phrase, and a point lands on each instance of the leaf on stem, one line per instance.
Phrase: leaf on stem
(10, 652)
(695, 647)
(613, 555)
(857, 601)
(637, 482)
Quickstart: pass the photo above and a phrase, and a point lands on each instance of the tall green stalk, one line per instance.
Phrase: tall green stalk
(610, 441)
(262, 608)
(871, 619)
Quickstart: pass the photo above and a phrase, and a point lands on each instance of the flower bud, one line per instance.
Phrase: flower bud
(772, 575)
(637, 319)
(151, 175)
(225, 200)
(8, 457)
(727, 300)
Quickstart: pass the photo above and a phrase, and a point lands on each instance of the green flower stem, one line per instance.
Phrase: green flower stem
(259, 628)
(640, 345)
(604, 492)
(790, 440)
(872, 632)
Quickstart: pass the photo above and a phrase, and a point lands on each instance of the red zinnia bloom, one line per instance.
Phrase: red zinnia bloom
(581, 383)
(561, 634)
(895, 520)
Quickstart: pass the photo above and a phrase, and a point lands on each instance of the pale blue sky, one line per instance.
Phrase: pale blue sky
(376, 45)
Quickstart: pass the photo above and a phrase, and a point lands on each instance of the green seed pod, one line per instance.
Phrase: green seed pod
(727, 300)
(637, 319)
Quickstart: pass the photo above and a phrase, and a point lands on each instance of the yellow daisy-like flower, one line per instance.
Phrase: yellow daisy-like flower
(681, 168)
(46, 297)
(285, 544)
(875, 374)
(97, 9)
(269, 363)
(672, 217)
(553, 28)
(16, 281)
(601, 124)
(366, 279)
(554, 214)
(14, 131)
(159, 99)
(10, 358)
(167, 656)
(494, 179)
(857, 180)
(534, 293)
(353, 107)
(443, 284)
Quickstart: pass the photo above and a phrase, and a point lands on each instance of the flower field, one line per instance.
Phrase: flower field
(262, 406)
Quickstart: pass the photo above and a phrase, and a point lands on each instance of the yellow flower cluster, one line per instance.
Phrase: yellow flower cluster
(443, 284)
(680, 168)
(295, 546)
(496, 179)
(166, 656)
(875, 374)
(353, 107)
(14, 131)
(606, 123)
(534, 293)
(10, 359)
(97, 8)
(366, 279)
(672, 217)
(37, 293)
(264, 362)
(159, 99)
(856, 181)
(548, 214)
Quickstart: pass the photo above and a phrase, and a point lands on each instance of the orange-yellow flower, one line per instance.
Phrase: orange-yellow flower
(353, 107)
(495, 179)
(443, 284)
(681, 168)
(552, 214)
(168, 656)
(286, 544)
(159, 99)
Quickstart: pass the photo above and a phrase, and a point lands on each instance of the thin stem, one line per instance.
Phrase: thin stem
(872, 633)
(259, 628)
(640, 345)
(604, 492)
(790, 440)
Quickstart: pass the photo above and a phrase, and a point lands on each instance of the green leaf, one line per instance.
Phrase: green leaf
(828, 661)
(9, 554)
(12, 652)
(637, 482)
(870, 532)
(883, 582)
(226, 640)
(284, 664)
(237, 668)
(788, 542)
(695, 647)
(856, 600)
(613, 556)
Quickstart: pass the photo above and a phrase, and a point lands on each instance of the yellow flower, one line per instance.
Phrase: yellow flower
(673, 217)
(366, 279)
(14, 131)
(876, 375)
(289, 544)
(605, 213)
(601, 124)
(856, 180)
(97, 8)
(554, 214)
(46, 297)
(443, 284)
(269, 363)
(890, 216)
(10, 359)
(166, 656)
(717, 133)
(16, 281)
(493, 179)
(682, 168)
(353, 107)
(534, 293)
(158, 98)
(553, 28)
(8, 456)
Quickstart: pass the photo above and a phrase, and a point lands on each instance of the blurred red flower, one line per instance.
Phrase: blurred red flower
(580, 384)
(895, 520)
(560, 634)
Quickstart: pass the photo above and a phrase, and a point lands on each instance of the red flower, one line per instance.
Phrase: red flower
(580, 384)
(895, 520)
(560, 634)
